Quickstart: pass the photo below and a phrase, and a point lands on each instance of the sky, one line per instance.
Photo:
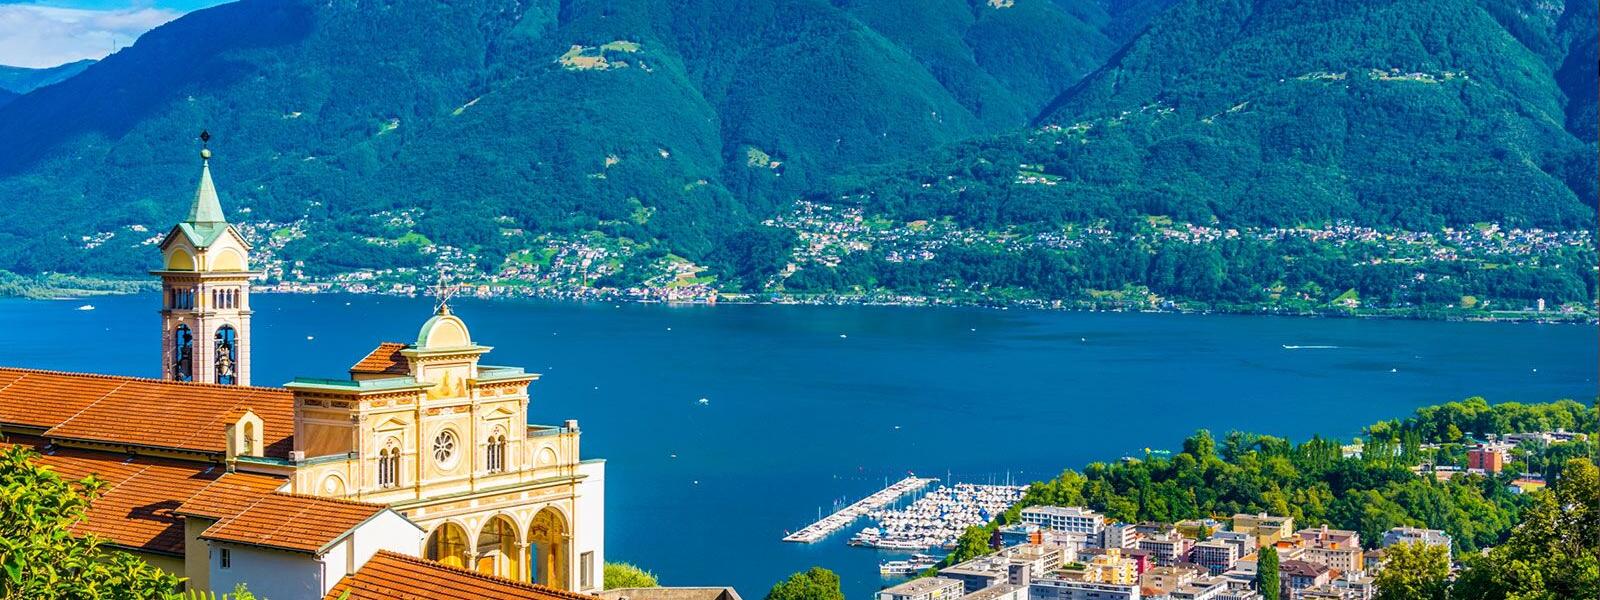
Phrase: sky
(45, 33)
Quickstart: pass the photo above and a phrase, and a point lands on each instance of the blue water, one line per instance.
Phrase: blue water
(808, 405)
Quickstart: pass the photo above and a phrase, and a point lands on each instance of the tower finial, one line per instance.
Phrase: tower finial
(443, 293)
(205, 143)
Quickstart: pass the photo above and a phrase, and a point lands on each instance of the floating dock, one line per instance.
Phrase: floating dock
(844, 516)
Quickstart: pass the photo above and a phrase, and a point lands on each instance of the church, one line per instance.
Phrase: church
(415, 472)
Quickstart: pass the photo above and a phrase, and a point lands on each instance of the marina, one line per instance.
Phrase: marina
(843, 517)
(937, 518)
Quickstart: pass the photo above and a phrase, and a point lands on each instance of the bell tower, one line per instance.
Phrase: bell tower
(205, 292)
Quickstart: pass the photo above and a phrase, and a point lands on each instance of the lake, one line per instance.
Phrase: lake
(809, 405)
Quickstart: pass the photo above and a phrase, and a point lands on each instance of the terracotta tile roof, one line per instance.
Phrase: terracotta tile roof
(135, 509)
(383, 360)
(391, 576)
(146, 412)
(292, 522)
(229, 495)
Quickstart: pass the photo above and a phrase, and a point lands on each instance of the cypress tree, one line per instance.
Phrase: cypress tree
(1267, 573)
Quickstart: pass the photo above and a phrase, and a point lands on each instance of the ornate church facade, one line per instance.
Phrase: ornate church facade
(422, 430)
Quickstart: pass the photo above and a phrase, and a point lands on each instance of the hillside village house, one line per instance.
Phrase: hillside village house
(416, 474)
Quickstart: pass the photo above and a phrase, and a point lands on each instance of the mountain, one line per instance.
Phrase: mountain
(669, 123)
(7, 96)
(1260, 155)
(1415, 113)
(21, 80)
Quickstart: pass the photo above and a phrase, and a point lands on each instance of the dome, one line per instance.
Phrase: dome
(442, 331)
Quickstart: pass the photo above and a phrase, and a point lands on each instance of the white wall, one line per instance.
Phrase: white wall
(274, 574)
(283, 575)
(590, 523)
(387, 531)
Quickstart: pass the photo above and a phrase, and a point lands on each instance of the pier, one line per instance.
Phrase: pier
(844, 516)
(938, 518)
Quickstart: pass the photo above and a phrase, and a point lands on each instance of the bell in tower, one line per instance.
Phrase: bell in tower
(205, 292)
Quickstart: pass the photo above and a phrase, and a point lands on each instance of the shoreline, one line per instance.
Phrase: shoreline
(118, 287)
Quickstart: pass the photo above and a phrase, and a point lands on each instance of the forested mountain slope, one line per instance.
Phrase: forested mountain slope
(1409, 112)
(667, 122)
(1260, 153)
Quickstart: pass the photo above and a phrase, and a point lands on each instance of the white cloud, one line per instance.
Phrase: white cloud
(42, 36)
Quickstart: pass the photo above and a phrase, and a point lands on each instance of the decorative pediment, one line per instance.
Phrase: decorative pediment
(499, 412)
(391, 424)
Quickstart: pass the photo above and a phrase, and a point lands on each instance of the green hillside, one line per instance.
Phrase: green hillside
(1263, 153)
(1424, 154)
(21, 80)
(671, 123)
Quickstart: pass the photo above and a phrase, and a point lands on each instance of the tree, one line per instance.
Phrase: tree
(1267, 573)
(1554, 553)
(816, 583)
(624, 575)
(1414, 571)
(974, 542)
(39, 556)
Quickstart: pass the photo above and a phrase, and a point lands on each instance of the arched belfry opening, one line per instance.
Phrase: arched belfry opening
(205, 281)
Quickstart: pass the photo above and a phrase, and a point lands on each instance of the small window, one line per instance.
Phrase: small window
(495, 454)
(388, 467)
(586, 570)
(225, 558)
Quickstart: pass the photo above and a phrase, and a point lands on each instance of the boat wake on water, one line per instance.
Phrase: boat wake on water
(1288, 347)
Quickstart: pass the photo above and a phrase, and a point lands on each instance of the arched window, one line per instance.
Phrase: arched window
(227, 355)
(389, 467)
(182, 354)
(495, 454)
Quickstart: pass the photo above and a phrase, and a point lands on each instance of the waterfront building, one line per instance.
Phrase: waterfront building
(1354, 586)
(1487, 457)
(925, 588)
(1072, 544)
(992, 569)
(1201, 588)
(421, 452)
(1268, 529)
(1198, 529)
(1055, 587)
(1333, 548)
(1111, 566)
(1003, 591)
(1402, 535)
(1140, 559)
(1297, 575)
(1244, 542)
(1215, 555)
(1243, 573)
(1160, 581)
(1167, 548)
(1075, 519)
(1120, 535)
(1372, 560)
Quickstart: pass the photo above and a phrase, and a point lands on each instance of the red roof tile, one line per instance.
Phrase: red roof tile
(292, 522)
(145, 412)
(229, 495)
(391, 576)
(383, 360)
(136, 506)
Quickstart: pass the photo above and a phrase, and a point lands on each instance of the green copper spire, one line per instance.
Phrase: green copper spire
(207, 208)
